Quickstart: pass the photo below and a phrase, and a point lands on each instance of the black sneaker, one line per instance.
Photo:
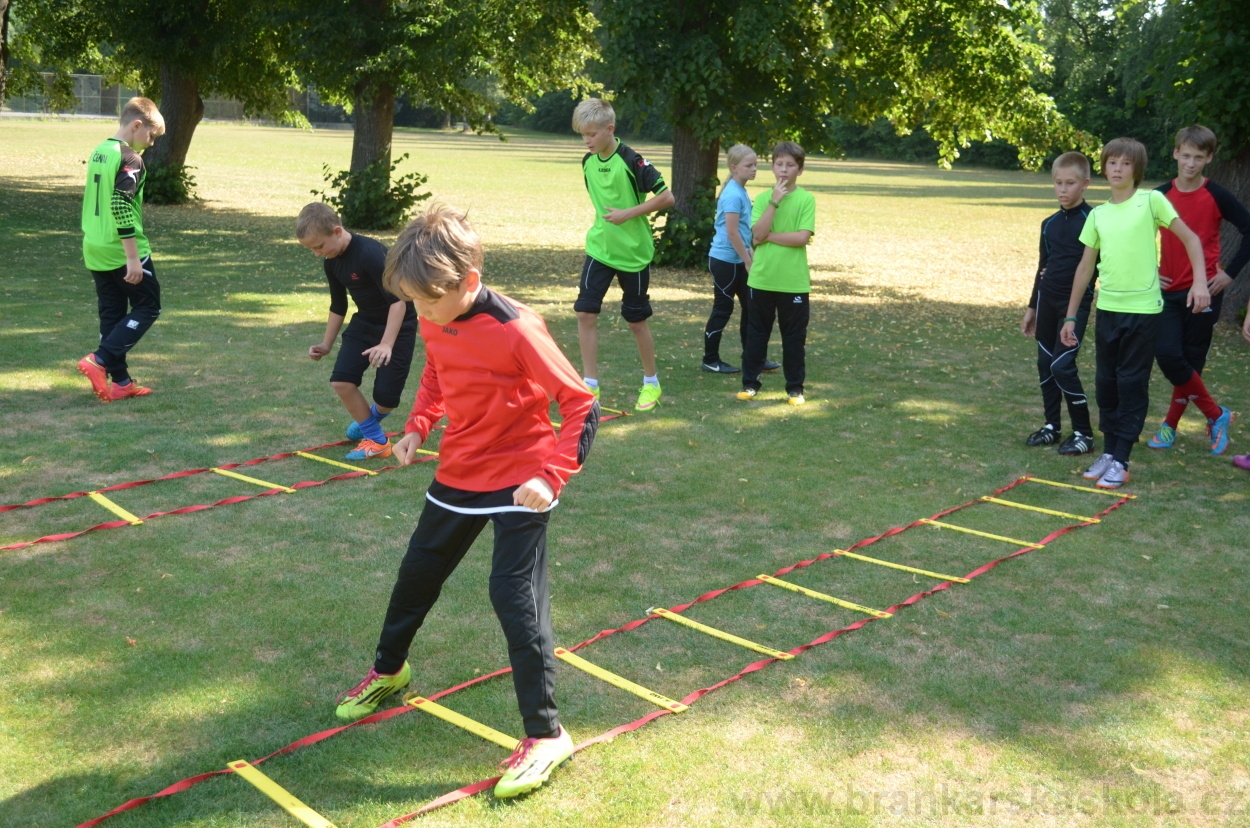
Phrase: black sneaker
(770, 366)
(1044, 436)
(720, 367)
(1078, 443)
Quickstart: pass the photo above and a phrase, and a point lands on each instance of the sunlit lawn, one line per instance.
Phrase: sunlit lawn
(1100, 681)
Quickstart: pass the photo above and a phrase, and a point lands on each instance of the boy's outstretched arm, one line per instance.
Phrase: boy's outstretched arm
(380, 354)
(334, 323)
(1080, 281)
(542, 361)
(1199, 298)
(662, 201)
(427, 410)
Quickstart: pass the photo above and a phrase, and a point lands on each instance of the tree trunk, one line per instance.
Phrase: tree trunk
(182, 108)
(375, 123)
(4, 46)
(1234, 176)
(692, 166)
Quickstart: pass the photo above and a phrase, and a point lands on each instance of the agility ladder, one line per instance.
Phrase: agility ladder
(665, 706)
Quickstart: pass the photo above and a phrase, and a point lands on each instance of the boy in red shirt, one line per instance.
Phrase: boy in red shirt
(1184, 336)
(492, 369)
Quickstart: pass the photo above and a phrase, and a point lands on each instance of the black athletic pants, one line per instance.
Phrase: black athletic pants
(518, 591)
(1056, 362)
(792, 312)
(729, 282)
(1125, 347)
(126, 313)
(1185, 336)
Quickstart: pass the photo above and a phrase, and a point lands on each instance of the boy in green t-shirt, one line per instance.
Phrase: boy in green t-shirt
(117, 252)
(779, 282)
(1122, 235)
(618, 244)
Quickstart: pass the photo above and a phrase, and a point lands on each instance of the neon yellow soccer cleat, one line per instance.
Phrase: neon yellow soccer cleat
(365, 697)
(532, 763)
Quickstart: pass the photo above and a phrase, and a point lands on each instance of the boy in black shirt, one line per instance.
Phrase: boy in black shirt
(382, 332)
(1061, 252)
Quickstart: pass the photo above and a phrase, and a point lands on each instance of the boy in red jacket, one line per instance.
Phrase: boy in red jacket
(491, 368)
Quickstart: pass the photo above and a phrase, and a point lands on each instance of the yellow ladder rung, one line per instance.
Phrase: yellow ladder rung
(334, 462)
(114, 508)
(253, 480)
(982, 534)
(843, 553)
(280, 795)
(474, 727)
(820, 596)
(721, 634)
(1015, 505)
(1113, 493)
(619, 681)
(427, 451)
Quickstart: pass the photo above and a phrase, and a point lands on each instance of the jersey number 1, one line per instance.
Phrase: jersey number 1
(97, 194)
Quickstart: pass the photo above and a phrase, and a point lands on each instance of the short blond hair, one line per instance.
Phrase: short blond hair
(433, 254)
(593, 112)
(1131, 150)
(142, 109)
(1198, 136)
(316, 219)
(1072, 161)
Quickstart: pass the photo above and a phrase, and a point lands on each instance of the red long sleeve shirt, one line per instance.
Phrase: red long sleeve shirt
(493, 372)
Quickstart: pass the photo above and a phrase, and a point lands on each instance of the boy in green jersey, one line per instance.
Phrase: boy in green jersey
(117, 252)
(779, 283)
(1122, 235)
(618, 244)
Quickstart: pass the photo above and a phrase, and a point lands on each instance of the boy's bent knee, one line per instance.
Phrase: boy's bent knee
(1176, 369)
(636, 314)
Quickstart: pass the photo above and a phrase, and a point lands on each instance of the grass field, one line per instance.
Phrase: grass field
(1101, 681)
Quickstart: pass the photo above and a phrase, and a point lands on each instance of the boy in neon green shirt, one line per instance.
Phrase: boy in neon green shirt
(117, 252)
(618, 244)
(779, 284)
(1122, 235)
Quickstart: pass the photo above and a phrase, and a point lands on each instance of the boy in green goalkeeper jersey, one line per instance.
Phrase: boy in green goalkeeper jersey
(618, 244)
(117, 252)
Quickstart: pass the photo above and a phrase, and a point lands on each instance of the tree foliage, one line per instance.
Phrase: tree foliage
(761, 70)
(175, 52)
(450, 54)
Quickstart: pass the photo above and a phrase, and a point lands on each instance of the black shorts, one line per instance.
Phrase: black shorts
(351, 363)
(1183, 333)
(597, 278)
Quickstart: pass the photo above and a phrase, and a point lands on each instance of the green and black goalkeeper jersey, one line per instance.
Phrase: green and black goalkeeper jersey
(622, 180)
(112, 206)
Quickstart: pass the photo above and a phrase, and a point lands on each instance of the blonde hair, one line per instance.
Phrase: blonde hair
(593, 112)
(1129, 149)
(142, 109)
(316, 219)
(1199, 136)
(738, 153)
(1072, 160)
(433, 254)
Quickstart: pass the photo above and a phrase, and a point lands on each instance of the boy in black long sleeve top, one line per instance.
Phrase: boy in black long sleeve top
(1061, 251)
(381, 334)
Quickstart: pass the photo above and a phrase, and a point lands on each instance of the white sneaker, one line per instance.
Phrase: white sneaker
(1096, 471)
(1115, 476)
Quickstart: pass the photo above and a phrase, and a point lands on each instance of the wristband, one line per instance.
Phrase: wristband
(774, 205)
(1069, 319)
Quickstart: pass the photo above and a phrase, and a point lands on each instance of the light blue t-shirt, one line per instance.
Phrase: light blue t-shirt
(733, 199)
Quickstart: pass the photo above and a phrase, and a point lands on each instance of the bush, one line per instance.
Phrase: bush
(684, 240)
(169, 184)
(368, 200)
